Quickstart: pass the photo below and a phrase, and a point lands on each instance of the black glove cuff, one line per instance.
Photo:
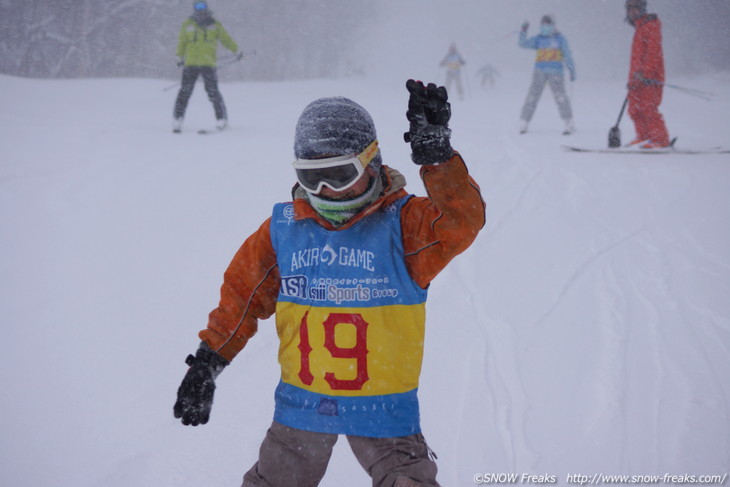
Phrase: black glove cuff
(431, 144)
(207, 358)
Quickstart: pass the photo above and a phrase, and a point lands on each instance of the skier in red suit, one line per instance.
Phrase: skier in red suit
(646, 77)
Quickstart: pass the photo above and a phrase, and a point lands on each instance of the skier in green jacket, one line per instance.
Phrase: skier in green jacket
(197, 51)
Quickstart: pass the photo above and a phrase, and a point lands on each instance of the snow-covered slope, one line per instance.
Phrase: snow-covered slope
(587, 330)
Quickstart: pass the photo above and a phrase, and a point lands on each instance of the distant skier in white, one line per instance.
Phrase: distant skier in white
(453, 63)
(552, 52)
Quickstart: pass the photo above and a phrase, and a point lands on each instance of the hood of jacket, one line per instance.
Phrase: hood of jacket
(204, 18)
(643, 20)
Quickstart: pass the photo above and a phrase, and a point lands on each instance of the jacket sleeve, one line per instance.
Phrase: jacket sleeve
(248, 294)
(226, 39)
(439, 227)
(182, 42)
(523, 41)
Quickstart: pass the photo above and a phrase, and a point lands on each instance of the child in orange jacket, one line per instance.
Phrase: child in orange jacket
(345, 267)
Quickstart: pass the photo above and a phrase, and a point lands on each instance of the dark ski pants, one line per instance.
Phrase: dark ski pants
(555, 80)
(210, 79)
(293, 457)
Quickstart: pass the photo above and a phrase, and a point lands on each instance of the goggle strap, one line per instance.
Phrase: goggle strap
(368, 154)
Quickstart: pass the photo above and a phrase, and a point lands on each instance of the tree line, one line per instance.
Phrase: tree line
(281, 39)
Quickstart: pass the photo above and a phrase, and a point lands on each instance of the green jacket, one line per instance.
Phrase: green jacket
(199, 46)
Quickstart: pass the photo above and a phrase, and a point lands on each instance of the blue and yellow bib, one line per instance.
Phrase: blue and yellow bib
(552, 52)
(549, 53)
(350, 321)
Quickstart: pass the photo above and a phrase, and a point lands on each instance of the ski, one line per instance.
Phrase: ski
(201, 131)
(218, 129)
(668, 150)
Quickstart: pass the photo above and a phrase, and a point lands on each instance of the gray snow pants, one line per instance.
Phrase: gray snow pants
(292, 457)
(539, 78)
(454, 76)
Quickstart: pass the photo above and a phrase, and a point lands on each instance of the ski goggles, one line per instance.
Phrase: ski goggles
(337, 173)
(200, 5)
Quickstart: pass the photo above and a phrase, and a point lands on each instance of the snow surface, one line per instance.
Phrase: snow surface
(587, 330)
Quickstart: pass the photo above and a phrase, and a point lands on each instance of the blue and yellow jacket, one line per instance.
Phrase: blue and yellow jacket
(552, 52)
(349, 301)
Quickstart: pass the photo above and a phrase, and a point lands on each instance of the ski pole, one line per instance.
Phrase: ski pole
(507, 35)
(234, 57)
(168, 88)
(614, 135)
(226, 64)
(225, 60)
(232, 60)
(621, 113)
(689, 91)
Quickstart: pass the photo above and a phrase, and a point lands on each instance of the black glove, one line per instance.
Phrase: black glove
(239, 56)
(195, 395)
(179, 62)
(429, 113)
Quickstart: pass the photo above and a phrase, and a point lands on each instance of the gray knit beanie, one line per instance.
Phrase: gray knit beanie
(334, 126)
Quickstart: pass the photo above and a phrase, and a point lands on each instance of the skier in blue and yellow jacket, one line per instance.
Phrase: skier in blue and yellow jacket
(346, 268)
(552, 53)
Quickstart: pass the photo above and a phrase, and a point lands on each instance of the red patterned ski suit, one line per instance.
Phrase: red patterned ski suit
(646, 81)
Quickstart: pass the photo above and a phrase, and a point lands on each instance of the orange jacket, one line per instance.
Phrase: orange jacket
(435, 229)
(647, 58)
